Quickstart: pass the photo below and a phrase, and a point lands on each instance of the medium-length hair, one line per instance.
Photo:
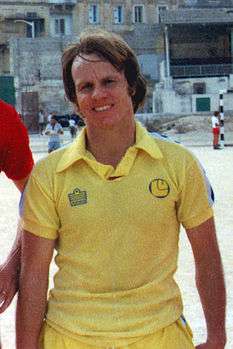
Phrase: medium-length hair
(112, 48)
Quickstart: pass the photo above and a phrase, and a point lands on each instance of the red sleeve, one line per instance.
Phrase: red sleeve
(16, 156)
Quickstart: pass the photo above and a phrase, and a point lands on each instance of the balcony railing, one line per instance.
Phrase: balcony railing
(62, 2)
(184, 71)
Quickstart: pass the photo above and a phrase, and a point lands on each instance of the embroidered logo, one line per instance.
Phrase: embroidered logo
(159, 188)
(78, 197)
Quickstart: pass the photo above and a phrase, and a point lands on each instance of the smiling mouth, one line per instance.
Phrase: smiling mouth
(104, 108)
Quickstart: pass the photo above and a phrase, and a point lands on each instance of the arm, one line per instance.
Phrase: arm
(60, 131)
(9, 270)
(210, 282)
(36, 256)
(47, 130)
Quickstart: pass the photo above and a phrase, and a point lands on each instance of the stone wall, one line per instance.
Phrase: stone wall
(36, 66)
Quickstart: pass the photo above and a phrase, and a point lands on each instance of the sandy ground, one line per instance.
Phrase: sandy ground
(218, 165)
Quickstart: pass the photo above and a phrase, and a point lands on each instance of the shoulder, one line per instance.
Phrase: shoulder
(10, 122)
(47, 166)
(8, 112)
(5, 107)
(172, 151)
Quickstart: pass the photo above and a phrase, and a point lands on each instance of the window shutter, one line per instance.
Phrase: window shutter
(56, 26)
(90, 14)
(115, 15)
(97, 15)
(62, 26)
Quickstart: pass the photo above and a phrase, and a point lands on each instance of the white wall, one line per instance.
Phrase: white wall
(178, 98)
(149, 64)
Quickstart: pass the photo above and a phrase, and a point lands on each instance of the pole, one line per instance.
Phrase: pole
(167, 52)
(221, 109)
(33, 29)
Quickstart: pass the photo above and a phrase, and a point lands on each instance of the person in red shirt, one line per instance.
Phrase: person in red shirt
(16, 162)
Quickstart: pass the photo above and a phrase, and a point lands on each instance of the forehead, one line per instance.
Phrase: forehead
(90, 66)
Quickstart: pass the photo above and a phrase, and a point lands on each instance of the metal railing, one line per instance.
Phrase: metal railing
(201, 70)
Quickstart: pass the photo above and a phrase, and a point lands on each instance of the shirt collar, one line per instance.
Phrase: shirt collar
(77, 150)
(146, 142)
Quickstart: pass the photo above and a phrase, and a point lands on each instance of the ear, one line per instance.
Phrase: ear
(131, 90)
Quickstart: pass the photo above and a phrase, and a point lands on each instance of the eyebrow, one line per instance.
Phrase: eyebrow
(107, 77)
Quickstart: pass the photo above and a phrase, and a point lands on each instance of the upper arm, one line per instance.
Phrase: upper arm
(203, 241)
(36, 253)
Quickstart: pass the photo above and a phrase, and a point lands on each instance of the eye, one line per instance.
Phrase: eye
(109, 81)
(86, 87)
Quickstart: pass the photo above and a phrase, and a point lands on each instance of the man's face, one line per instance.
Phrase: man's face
(53, 121)
(102, 92)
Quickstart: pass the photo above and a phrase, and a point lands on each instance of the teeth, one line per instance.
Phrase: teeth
(106, 107)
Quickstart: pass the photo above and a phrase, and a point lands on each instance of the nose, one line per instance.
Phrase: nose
(99, 92)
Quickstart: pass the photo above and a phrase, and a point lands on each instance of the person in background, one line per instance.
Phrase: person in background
(41, 121)
(16, 162)
(53, 130)
(215, 120)
(50, 115)
(111, 204)
(72, 128)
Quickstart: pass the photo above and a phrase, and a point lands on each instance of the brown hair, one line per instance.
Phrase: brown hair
(113, 49)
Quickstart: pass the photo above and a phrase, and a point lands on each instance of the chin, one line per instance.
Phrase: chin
(107, 121)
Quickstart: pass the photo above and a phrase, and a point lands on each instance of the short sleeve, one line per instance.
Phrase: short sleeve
(195, 203)
(17, 156)
(38, 210)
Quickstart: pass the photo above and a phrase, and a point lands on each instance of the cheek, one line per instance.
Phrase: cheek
(83, 102)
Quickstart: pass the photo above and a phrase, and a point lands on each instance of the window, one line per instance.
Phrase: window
(31, 14)
(118, 14)
(160, 10)
(199, 88)
(138, 14)
(38, 28)
(191, 2)
(93, 14)
(59, 26)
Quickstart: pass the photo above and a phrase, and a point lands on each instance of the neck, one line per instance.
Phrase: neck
(110, 145)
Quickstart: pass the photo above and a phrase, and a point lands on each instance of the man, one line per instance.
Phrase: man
(41, 121)
(73, 128)
(111, 204)
(215, 129)
(53, 130)
(16, 162)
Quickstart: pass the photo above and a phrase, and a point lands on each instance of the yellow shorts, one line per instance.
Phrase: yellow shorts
(176, 336)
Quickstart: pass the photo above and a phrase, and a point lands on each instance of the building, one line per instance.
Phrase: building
(34, 34)
(198, 61)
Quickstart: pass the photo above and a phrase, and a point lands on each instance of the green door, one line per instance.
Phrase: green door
(7, 89)
(203, 104)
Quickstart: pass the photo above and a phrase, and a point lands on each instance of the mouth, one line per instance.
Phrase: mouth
(103, 108)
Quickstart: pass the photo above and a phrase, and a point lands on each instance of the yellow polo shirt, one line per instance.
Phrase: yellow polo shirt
(117, 232)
